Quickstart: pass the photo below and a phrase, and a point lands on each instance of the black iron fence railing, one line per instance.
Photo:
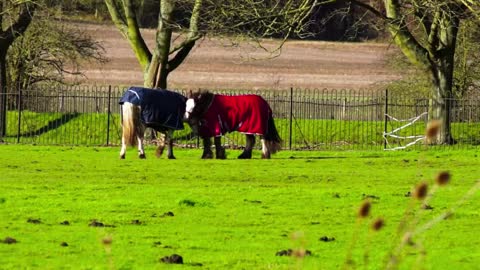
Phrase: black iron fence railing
(305, 119)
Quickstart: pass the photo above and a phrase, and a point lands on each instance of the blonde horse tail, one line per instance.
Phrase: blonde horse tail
(130, 123)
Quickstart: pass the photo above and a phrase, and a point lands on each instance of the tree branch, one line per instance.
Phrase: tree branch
(402, 36)
(375, 12)
(117, 19)
(180, 56)
(19, 26)
(130, 29)
(193, 34)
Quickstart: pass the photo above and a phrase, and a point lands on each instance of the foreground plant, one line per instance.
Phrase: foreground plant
(410, 228)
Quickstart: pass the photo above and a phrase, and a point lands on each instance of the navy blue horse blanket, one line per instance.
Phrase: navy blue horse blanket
(159, 108)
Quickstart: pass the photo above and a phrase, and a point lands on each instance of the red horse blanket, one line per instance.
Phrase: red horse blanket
(245, 113)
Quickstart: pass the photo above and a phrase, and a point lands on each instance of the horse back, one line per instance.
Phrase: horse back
(243, 113)
(161, 109)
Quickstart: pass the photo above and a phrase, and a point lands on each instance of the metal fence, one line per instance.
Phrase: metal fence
(305, 119)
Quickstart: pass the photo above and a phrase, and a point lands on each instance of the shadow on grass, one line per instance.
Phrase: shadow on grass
(293, 157)
(53, 124)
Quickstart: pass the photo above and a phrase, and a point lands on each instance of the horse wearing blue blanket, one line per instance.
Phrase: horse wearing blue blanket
(161, 110)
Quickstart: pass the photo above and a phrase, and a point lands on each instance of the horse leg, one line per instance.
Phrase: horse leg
(141, 151)
(160, 145)
(207, 148)
(247, 152)
(124, 148)
(265, 149)
(169, 136)
(219, 149)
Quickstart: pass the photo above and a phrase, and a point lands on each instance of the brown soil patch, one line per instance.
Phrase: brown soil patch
(213, 64)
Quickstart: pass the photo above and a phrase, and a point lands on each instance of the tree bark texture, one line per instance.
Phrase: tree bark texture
(7, 36)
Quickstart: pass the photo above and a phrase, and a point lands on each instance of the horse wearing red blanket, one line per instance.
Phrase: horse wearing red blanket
(213, 115)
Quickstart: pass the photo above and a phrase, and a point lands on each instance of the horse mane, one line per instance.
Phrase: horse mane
(203, 100)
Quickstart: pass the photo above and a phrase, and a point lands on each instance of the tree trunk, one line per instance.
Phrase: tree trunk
(166, 57)
(442, 78)
(442, 98)
(155, 76)
(3, 92)
(164, 38)
(441, 109)
(14, 29)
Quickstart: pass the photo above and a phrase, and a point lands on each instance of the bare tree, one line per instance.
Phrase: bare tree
(426, 32)
(182, 23)
(15, 16)
(467, 60)
(49, 50)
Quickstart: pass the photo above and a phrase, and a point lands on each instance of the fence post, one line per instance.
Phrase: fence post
(3, 111)
(19, 123)
(386, 118)
(108, 113)
(291, 120)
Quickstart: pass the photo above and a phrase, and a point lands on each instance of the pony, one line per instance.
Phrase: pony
(213, 115)
(159, 109)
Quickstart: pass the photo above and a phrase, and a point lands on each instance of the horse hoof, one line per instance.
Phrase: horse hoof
(171, 157)
(159, 152)
(122, 157)
(245, 156)
(142, 156)
(221, 154)
(207, 156)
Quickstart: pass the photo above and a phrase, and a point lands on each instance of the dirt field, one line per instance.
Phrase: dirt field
(214, 65)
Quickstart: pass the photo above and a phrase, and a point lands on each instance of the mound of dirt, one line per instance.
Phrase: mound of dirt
(9, 240)
(174, 259)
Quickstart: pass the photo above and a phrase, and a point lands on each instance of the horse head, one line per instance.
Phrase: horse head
(190, 104)
(196, 105)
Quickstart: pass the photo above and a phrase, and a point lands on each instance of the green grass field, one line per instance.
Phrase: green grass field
(234, 214)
